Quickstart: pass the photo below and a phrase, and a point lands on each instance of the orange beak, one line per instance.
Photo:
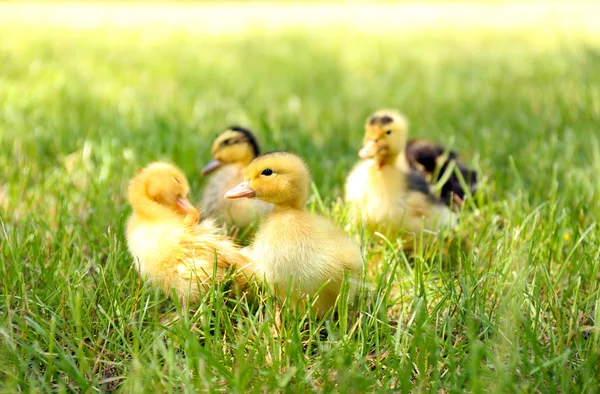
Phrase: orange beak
(368, 150)
(240, 191)
(185, 205)
(211, 166)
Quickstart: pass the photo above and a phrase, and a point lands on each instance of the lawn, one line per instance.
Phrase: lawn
(511, 304)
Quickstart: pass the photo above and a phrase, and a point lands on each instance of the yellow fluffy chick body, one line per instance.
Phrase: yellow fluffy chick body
(294, 249)
(232, 150)
(387, 198)
(168, 246)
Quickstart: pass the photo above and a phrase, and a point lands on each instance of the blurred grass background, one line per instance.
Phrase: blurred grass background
(89, 93)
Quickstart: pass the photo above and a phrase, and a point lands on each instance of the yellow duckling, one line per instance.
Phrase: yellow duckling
(389, 199)
(166, 242)
(232, 150)
(292, 246)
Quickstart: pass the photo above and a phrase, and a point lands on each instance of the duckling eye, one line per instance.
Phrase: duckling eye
(176, 180)
(388, 132)
(267, 172)
(227, 141)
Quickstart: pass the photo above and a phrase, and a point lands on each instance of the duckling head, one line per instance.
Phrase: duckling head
(280, 178)
(385, 136)
(160, 183)
(234, 145)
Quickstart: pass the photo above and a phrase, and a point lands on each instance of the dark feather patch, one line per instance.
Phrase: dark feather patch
(248, 137)
(385, 119)
(373, 120)
(416, 183)
(453, 187)
(424, 154)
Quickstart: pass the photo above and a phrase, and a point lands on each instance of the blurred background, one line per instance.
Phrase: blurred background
(99, 89)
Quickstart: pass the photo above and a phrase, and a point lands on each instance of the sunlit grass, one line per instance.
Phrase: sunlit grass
(509, 304)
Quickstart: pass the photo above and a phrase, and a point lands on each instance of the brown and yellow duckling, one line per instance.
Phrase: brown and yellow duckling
(292, 246)
(231, 151)
(385, 197)
(168, 245)
(432, 161)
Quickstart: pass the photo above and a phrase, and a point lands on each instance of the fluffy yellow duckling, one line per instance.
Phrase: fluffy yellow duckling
(389, 199)
(293, 245)
(232, 150)
(166, 242)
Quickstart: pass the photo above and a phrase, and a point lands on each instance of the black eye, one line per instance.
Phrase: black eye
(388, 132)
(176, 180)
(267, 172)
(227, 141)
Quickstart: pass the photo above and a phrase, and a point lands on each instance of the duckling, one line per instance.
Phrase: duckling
(293, 245)
(425, 157)
(387, 198)
(166, 242)
(232, 150)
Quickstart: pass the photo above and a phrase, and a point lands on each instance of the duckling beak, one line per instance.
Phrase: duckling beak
(185, 205)
(211, 166)
(368, 150)
(241, 190)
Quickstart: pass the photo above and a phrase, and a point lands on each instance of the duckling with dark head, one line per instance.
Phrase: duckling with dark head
(429, 159)
(231, 151)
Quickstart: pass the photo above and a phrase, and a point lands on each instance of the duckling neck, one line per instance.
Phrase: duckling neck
(247, 159)
(387, 160)
(296, 205)
(243, 158)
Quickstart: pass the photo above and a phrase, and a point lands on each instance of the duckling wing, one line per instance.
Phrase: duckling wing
(204, 248)
(453, 186)
(216, 260)
(194, 269)
(416, 183)
(200, 255)
(337, 245)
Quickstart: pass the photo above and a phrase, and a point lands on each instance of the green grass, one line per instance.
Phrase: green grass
(511, 305)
